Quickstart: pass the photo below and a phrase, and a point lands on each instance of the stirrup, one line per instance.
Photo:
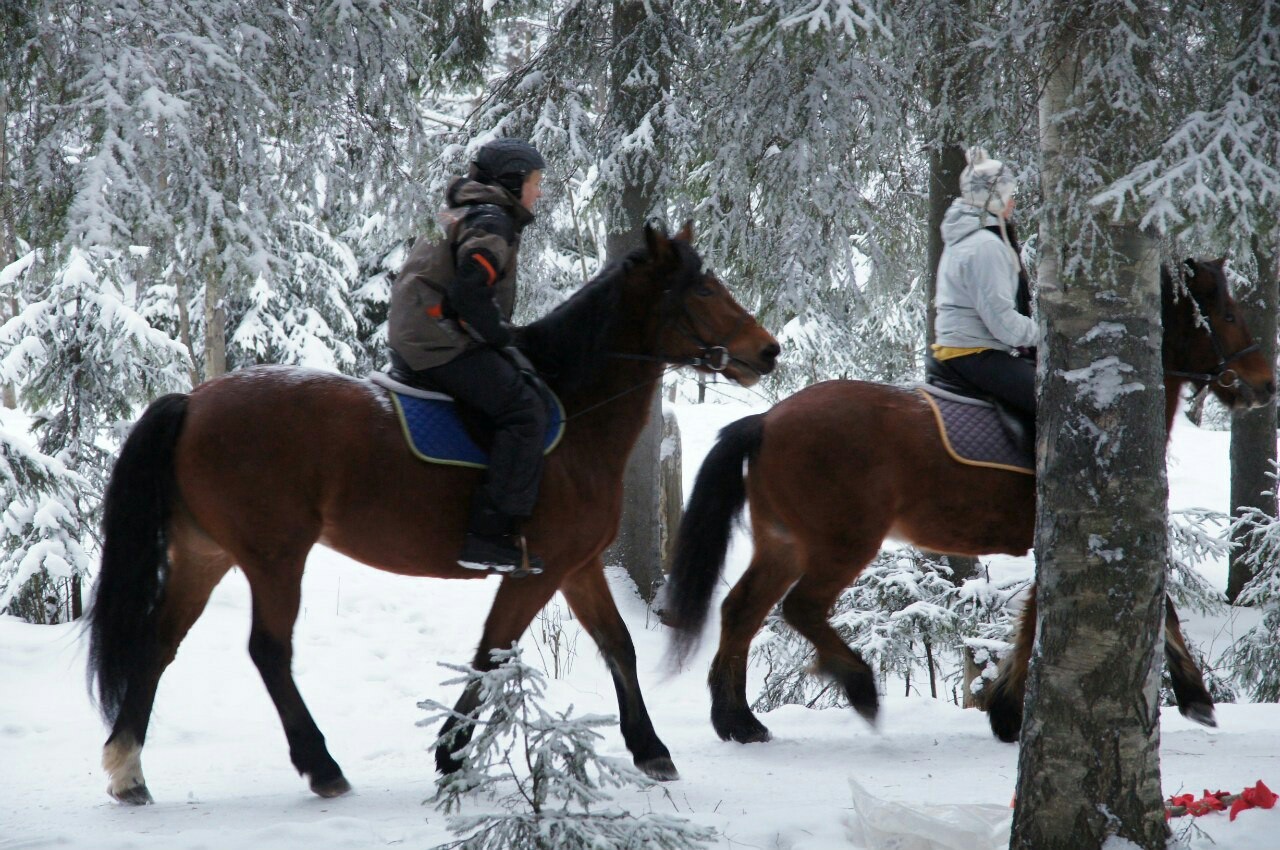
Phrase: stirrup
(527, 564)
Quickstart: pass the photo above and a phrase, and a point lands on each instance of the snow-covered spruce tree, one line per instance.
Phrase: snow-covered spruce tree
(803, 180)
(41, 559)
(1214, 185)
(1252, 657)
(83, 359)
(239, 140)
(543, 771)
(907, 619)
(1197, 535)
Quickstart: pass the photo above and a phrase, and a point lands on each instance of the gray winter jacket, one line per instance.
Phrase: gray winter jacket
(977, 285)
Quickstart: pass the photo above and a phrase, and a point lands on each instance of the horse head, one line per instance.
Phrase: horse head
(1208, 343)
(702, 325)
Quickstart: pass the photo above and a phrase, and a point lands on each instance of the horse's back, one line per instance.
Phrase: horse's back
(845, 459)
(274, 458)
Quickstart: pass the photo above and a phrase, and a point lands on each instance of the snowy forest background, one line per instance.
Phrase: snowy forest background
(189, 188)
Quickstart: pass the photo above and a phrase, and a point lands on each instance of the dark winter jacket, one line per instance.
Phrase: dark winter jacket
(458, 292)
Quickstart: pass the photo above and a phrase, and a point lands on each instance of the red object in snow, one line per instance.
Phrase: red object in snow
(1259, 796)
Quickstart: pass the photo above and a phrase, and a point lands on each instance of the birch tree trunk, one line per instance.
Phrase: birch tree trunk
(1089, 766)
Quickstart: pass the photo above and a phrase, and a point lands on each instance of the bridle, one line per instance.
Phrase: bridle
(714, 356)
(711, 355)
(1220, 372)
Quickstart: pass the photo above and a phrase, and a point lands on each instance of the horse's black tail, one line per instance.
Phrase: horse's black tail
(135, 558)
(718, 496)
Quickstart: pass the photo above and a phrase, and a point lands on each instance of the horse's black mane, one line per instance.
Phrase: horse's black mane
(569, 344)
(1173, 288)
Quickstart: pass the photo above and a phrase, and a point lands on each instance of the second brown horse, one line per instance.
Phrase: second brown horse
(840, 466)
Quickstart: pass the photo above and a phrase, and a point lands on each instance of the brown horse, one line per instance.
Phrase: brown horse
(256, 467)
(836, 468)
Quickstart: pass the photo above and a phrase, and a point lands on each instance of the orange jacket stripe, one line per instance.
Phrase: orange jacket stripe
(493, 275)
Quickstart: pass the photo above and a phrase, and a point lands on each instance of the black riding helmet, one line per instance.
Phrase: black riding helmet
(506, 162)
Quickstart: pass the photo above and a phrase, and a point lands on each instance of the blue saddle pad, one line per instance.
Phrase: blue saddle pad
(436, 434)
(972, 434)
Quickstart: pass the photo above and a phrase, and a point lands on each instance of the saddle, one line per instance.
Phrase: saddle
(979, 432)
(437, 432)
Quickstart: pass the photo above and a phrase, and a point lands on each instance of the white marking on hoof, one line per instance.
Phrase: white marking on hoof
(122, 759)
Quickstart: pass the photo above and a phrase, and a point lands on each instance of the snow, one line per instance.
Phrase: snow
(366, 647)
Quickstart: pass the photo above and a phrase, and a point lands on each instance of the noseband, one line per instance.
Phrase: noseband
(1220, 372)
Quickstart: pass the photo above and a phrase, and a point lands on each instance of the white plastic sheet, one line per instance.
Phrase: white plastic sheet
(884, 825)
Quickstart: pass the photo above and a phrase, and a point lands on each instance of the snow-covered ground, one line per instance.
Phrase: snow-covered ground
(367, 644)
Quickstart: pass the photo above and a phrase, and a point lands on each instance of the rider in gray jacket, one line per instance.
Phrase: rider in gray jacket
(978, 328)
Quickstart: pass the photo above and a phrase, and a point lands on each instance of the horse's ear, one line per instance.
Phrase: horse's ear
(656, 240)
(1202, 286)
(686, 232)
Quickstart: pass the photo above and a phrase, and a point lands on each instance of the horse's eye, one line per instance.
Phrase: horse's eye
(1230, 317)
(704, 290)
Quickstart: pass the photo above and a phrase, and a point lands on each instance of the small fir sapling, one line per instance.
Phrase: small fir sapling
(542, 770)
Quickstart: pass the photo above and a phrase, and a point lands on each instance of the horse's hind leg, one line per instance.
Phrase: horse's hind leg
(196, 567)
(588, 595)
(1193, 698)
(1002, 699)
(277, 593)
(768, 576)
(1004, 696)
(807, 608)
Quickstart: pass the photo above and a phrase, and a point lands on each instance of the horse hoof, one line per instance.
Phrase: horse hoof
(743, 728)
(446, 763)
(332, 788)
(752, 736)
(1200, 712)
(661, 768)
(138, 795)
(1005, 725)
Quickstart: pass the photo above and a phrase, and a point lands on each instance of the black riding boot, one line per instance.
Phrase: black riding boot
(494, 543)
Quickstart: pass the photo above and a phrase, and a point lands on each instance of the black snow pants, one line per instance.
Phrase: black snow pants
(486, 382)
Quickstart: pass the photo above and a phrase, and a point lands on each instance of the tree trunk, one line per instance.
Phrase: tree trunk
(1253, 432)
(946, 161)
(1089, 765)
(215, 323)
(641, 538)
(8, 244)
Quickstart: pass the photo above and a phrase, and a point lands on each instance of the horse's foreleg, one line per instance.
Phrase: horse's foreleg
(588, 595)
(514, 607)
(1193, 698)
(807, 607)
(276, 597)
(192, 577)
(743, 611)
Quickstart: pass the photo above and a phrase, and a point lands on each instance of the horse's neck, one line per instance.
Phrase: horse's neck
(606, 420)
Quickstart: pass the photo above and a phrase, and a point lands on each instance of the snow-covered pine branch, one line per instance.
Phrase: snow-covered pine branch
(542, 770)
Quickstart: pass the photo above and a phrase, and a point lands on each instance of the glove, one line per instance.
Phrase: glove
(517, 358)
